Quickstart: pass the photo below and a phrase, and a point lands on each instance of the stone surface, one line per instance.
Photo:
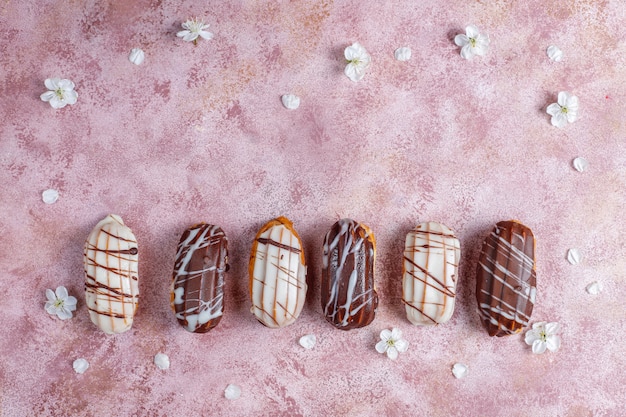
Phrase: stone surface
(199, 133)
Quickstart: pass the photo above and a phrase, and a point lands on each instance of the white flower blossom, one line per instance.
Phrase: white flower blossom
(290, 101)
(402, 54)
(391, 342)
(194, 28)
(543, 336)
(60, 303)
(460, 370)
(232, 392)
(162, 361)
(136, 56)
(472, 43)
(358, 61)
(80, 365)
(564, 111)
(60, 92)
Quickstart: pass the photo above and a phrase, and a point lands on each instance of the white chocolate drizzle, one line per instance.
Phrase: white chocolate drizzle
(111, 279)
(278, 275)
(514, 279)
(351, 244)
(431, 258)
(199, 311)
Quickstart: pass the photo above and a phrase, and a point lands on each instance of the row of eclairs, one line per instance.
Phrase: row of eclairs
(505, 278)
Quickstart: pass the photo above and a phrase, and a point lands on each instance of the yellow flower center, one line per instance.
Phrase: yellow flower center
(59, 93)
(472, 42)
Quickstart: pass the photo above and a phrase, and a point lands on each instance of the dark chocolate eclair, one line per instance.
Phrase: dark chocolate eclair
(197, 294)
(349, 299)
(506, 279)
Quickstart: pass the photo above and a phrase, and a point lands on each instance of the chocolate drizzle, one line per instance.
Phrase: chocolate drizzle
(111, 282)
(506, 279)
(197, 292)
(277, 271)
(349, 299)
(431, 257)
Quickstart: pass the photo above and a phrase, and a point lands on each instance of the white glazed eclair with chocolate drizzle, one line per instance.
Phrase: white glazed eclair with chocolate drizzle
(277, 271)
(111, 279)
(430, 270)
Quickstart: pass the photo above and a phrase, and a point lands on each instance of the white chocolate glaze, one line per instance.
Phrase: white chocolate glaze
(277, 274)
(431, 259)
(111, 279)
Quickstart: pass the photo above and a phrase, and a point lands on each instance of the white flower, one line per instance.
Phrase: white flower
(403, 54)
(162, 361)
(308, 341)
(80, 365)
(232, 392)
(61, 92)
(566, 110)
(391, 342)
(290, 101)
(358, 60)
(136, 56)
(543, 335)
(460, 370)
(595, 288)
(60, 303)
(574, 256)
(194, 28)
(50, 196)
(554, 53)
(472, 43)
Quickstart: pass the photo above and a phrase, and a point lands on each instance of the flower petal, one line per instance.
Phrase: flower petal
(57, 103)
(64, 313)
(530, 337)
(553, 343)
(539, 346)
(385, 334)
(553, 109)
(381, 346)
(66, 85)
(552, 328)
(392, 353)
(396, 334)
(467, 52)
(539, 325)
(353, 72)
(563, 98)
(206, 35)
(71, 302)
(559, 120)
(50, 308)
(71, 97)
(50, 295)
(402, 345)
(472, 31)
(61, 292)
(52, 83)
(461, 40)
(47, 96)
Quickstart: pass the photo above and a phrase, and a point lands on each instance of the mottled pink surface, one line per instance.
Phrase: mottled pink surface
(200, 134)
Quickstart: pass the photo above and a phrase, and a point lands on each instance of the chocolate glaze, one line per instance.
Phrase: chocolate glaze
(197, 292)
(506, 279)
(349, 299)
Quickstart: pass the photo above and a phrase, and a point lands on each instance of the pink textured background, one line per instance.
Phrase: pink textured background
(199, 134)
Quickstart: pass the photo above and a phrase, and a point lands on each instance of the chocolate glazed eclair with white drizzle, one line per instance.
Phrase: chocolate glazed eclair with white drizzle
(506, 279)
(111, 280)
(197, 292)
(349, 298)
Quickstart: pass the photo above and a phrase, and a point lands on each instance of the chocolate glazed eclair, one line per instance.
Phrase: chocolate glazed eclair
(197, 292)
(506, 279)
(348, 295)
